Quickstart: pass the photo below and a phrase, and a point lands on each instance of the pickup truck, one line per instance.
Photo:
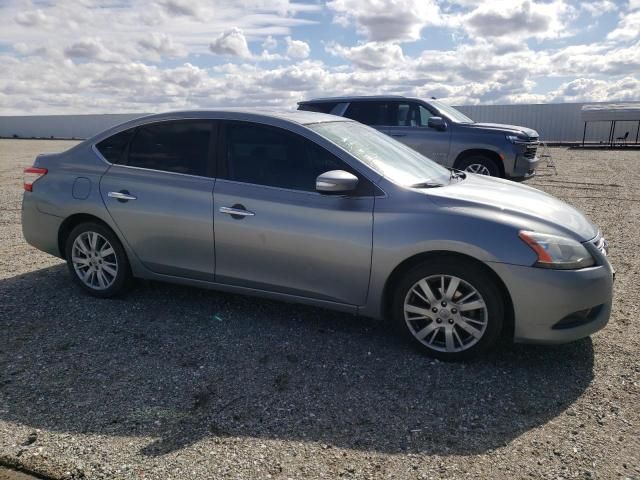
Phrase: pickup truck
(442, 133)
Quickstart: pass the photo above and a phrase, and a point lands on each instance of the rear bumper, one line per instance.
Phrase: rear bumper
(557, 306)
(39, 229)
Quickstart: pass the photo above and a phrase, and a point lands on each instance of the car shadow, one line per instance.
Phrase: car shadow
(181, 364)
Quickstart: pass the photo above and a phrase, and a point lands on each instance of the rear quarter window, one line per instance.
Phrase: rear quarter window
(323, 107)
(113, 148)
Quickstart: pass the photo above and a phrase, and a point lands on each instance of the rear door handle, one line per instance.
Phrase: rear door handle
(237, 211)
(122, 196)
(398, 134)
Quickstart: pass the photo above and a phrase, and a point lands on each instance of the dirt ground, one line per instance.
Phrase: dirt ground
(176, 382)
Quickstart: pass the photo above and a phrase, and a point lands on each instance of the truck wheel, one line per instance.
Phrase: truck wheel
(449, 308)
(480, 165)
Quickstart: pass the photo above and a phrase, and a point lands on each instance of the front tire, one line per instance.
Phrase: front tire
(450, 309)
(96, 260)
(481, 165)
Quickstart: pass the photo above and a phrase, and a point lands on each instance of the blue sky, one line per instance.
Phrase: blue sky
(85, 56)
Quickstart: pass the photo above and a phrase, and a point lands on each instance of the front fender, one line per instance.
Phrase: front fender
(400, 235)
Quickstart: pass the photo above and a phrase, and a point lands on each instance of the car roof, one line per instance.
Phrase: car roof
(356, 98)
(238, 114)
(294, 116)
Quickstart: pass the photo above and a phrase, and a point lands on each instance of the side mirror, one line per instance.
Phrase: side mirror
(336, 181)
(437, 122)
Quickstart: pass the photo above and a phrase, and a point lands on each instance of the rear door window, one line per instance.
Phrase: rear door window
(369, 113)
(175, 146)
(408, 114)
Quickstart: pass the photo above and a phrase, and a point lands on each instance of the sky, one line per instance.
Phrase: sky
(118, 56)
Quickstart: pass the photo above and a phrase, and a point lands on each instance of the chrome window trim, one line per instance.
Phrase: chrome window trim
(306, 192)
(94, 147)
(259, 121)
(97, 152)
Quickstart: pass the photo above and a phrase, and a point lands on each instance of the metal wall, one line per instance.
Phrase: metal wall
(60, 126)
(554, 122)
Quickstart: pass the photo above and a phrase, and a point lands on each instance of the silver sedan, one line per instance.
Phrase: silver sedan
(321, 210)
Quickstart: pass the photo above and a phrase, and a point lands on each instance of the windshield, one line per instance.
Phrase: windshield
(388, 157)
(452, 113)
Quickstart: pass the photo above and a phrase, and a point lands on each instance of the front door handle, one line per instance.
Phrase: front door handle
(237, 211)
(398, 134)
(122, 196)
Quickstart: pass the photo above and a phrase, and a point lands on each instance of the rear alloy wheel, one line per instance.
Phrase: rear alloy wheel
(480, 165)
(450, 310)
(97, 260)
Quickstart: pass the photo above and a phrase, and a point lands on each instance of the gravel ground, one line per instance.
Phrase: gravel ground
(175, 382)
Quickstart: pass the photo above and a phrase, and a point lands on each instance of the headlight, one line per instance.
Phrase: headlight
(517, 139)
(557, 252)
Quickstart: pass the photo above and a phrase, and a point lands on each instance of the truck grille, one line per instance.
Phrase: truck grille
(530, 150)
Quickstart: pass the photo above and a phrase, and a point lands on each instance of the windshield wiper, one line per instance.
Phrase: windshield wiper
(426, 185)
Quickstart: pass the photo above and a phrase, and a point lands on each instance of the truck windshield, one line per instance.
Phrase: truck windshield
(453, 114)
(390, 158)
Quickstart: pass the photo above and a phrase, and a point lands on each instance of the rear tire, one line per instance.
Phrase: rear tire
(449, 308)
(96, 260)
(481, 165)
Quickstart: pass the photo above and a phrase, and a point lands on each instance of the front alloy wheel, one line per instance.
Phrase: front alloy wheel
(445, 313)
(480, 165)
(478, 168)
(450, 308)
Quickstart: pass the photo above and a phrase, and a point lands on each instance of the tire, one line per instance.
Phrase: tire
(430, 325)
(481, 165)
(97, 261)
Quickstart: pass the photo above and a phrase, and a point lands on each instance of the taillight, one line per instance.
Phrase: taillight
(31, 175)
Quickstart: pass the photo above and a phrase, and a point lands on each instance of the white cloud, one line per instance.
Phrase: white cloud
(370, 56)
(31, 18)
(387, 20)
(53, 66)
(594, 90)
(270, 43)
(231, 42)
(297, 48)
(598, 7)
(90, 49)
(628, 28)
(160, 44)
(519, 18)
(180, 7)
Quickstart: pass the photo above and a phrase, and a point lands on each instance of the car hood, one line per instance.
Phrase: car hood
(507, 129)
(523, 205)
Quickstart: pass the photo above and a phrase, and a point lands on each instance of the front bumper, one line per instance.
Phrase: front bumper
(524, 161)
(525, 167)
(550, 305)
